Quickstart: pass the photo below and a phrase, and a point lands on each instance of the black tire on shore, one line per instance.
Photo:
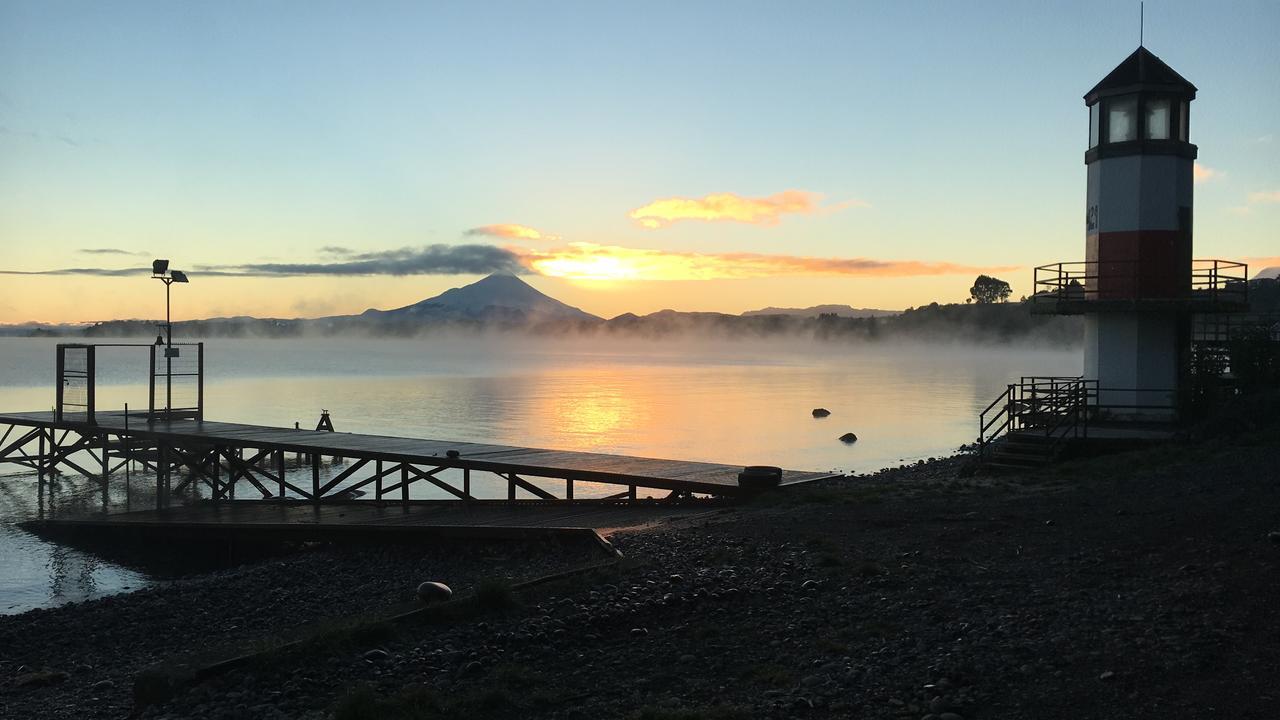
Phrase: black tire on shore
(757, 478)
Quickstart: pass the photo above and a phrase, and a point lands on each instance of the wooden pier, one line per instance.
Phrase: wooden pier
(220, 455)
(299, 491)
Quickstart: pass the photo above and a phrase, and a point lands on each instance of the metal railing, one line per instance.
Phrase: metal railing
(76, 377)
(1056, 407)
(1059, 408)
(175, 381)
(1209, 282)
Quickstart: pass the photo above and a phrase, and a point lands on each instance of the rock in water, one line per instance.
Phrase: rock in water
(431, 591)
(849, 438)
(821, 412)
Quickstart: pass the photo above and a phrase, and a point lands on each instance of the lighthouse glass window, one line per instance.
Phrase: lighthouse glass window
(1122, 118)
(1159, 112)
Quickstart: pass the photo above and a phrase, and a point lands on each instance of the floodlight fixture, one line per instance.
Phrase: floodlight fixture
(178, 276)
(159, 267)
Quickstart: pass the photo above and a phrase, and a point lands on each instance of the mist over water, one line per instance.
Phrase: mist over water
(738, 402)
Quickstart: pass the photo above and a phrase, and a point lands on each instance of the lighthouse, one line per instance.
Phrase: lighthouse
(1138, 287)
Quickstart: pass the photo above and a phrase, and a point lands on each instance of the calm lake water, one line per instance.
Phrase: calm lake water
(733, 402)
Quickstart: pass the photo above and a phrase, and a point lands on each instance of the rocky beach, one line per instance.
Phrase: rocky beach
(1138, 584)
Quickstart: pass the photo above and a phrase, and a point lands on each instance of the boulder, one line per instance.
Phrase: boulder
(821, 412)
(848, 438)
(432, 591)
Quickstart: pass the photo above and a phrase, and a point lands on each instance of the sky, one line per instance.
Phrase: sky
(315, 158)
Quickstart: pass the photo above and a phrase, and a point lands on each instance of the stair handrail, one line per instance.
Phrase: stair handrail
(1059, 404)
(1005, 401)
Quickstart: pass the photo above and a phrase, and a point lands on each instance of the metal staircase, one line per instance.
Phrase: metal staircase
(1030, 423)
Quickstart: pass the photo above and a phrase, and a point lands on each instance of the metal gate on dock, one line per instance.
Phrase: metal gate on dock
(174, 379)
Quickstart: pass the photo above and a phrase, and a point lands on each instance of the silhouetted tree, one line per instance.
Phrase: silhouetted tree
(987, 289)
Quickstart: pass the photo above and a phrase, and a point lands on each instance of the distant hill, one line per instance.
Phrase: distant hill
(1271, 273)
(816, 310)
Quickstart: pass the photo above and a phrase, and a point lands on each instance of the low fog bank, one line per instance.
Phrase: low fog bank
(1002, 323)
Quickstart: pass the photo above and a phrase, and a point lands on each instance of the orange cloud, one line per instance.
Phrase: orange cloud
(588, 261)
(1271, 197)
(734, 208)
(1204, 173)
(510, 232)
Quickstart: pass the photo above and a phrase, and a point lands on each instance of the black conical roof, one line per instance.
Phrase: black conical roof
(1141, 70)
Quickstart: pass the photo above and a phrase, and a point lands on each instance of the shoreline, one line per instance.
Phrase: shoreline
(909, 592)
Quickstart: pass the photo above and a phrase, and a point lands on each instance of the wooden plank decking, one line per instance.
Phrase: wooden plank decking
(676, 475)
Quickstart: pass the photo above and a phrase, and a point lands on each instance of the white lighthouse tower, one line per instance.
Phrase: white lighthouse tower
(1138, 231)
(1138, 285)
(1138, 288)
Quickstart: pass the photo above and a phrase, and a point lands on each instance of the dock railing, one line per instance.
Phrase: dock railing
(175, 380)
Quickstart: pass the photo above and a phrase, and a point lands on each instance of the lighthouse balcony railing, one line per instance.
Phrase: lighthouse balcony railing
(1083, 286)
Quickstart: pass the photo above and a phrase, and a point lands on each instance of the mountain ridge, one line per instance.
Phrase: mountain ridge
(841, 310)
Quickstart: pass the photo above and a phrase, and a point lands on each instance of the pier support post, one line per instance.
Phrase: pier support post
(404, 485)
(466, 482)
(40, 474)
(377, 483)
(280, 472)
(232, 473)
(162, 475)
(315, 478)
(568, 489)
(106, 471)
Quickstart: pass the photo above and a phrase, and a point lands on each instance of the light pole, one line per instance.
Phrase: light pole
(160, 271)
